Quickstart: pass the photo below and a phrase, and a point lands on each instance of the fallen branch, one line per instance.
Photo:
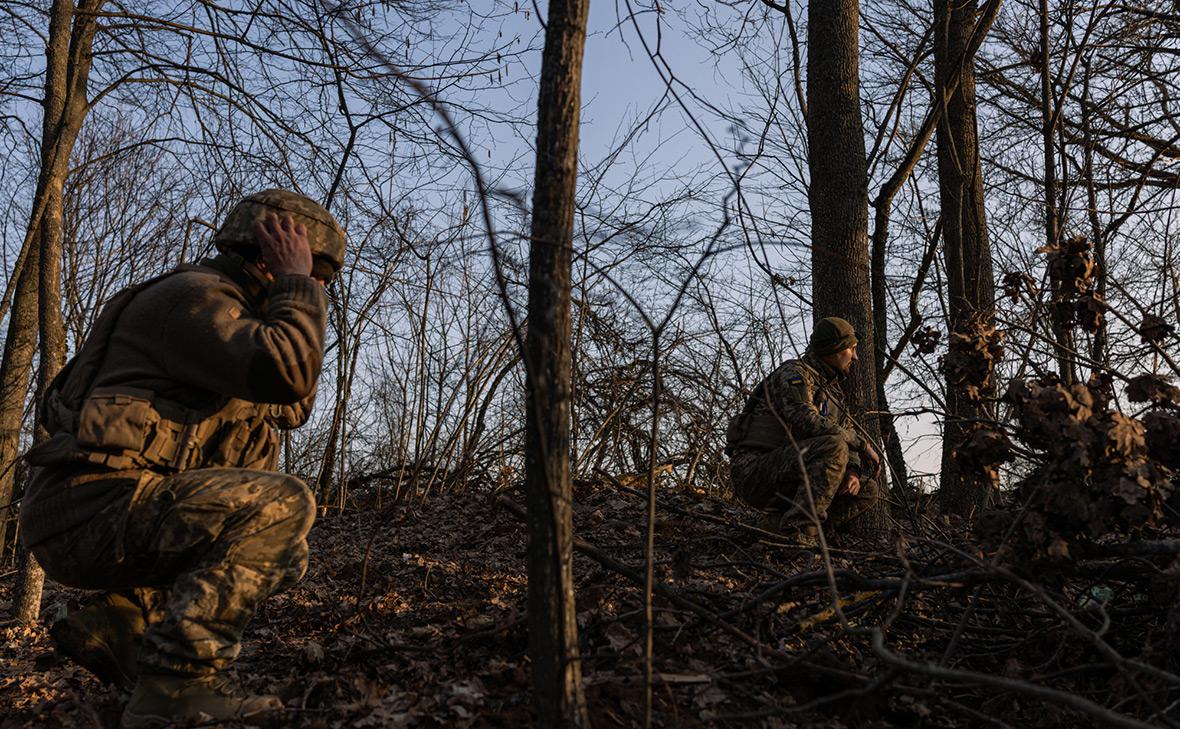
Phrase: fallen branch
(1073, 701)
(679, 600)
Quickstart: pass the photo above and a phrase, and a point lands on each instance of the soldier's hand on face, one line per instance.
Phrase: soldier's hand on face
(851, 484)
(284, 246)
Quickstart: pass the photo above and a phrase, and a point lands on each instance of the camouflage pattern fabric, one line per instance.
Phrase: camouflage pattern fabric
(198, 551)
(806, 394)
(772, 480)
(803, 397)
(324, 234)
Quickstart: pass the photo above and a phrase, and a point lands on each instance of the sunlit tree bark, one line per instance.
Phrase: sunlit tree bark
(553, 629)
(67, 69)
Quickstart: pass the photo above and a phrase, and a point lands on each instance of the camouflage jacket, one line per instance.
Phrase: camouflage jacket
(806, 396)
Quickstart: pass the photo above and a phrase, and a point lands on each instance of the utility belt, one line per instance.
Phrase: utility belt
(126, 428)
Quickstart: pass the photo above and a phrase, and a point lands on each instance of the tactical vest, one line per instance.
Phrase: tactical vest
(131, 428)
(761, 431)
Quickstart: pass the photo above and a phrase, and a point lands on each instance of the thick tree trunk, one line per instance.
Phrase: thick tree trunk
(966, 250)
(67, 69)
(553, 630)
(838, 197)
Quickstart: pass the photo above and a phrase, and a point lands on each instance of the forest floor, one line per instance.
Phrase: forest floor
(412, 615)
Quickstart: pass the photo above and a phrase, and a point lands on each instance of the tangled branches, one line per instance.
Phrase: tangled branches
(974, 350)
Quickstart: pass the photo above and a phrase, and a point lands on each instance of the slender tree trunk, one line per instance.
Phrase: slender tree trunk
(1064, 336)
(893, 452)
(966, 249)
(20, 344)
(838, 197)
(1098, 351)
(67, 70)
(323, 482)
(553, 629)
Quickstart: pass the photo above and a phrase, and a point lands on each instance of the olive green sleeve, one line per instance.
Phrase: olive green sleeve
(289, 417)
(213, 340)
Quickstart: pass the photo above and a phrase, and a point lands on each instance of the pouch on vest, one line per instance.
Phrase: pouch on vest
(116, 419)
(765, 432)
(752, 430)
(246, 441)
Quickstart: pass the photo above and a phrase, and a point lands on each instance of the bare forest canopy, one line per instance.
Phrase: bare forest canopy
(986, 189)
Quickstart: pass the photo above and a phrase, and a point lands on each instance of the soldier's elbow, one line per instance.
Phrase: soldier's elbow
(282, 385)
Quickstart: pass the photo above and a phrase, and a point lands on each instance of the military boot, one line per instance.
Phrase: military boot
(789, 527)
(104, 638)
(160, 701)
(804, 536)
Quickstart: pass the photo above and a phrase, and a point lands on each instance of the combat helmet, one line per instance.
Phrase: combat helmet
(324, 234)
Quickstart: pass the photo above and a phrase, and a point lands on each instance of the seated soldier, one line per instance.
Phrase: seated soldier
(157, 486)
(798, 415)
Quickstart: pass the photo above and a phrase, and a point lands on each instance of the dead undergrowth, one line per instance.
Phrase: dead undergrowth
(413, 616)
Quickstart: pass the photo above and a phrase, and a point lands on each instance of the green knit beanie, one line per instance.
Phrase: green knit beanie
(832, 335)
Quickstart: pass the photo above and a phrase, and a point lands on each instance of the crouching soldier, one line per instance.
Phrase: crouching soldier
(157, 486)
(798, 417)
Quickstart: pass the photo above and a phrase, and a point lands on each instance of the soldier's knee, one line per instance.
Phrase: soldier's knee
(298, 490)
(830, 448)
(290, 502)
(303, 502)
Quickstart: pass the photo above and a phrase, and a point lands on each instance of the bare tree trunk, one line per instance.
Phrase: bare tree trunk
(67, 70)
(553, 629)
(892, 441)
(19, 346)
(1098, 349)
(26, 602)
(323, 482)
(966, 249)
(1063, 334)
(838, 197)
(880, 237)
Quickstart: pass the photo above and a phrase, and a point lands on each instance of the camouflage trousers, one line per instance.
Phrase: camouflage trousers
(197, 551)
(773, 481)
